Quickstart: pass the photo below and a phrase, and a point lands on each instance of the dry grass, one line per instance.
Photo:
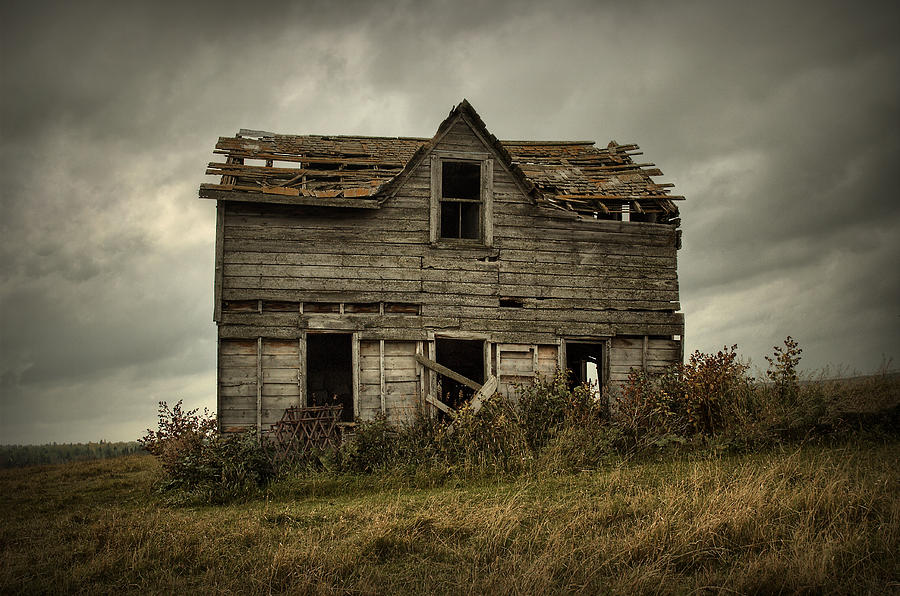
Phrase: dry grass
(810, 519)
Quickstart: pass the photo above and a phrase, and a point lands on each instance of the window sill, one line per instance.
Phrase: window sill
(472, 247)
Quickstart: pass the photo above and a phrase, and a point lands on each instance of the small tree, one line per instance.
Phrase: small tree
(783, 369)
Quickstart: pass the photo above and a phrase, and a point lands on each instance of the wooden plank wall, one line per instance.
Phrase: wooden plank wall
(401, 380)
(239, 369)
(518, 364)
(630, 352)
(559, 275)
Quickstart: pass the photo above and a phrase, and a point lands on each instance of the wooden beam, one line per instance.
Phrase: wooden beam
(487, 390)
(440, 368)
(207, 191)
(644, 352)
(381, 372)
(440, 405)
(354, 367)
(220, 255)
(259, 384)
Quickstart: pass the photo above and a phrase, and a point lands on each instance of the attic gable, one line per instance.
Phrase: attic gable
(361, 172)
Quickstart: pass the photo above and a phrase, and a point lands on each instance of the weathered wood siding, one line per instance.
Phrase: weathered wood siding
(519, 364)
(559, 275)
(399, 384)
(651, 355)
(257, 375)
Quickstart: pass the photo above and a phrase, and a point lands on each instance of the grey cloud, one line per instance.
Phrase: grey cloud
(779, 122)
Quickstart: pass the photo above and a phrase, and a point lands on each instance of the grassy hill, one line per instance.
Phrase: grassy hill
(813, 518)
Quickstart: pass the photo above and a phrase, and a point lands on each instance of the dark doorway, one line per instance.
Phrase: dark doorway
(329, 376)
(586, 363)
(465, 356)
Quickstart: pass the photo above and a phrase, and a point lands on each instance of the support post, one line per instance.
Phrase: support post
(381, 371)
(259, 384)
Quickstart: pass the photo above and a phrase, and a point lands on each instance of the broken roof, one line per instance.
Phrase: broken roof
(356, 171)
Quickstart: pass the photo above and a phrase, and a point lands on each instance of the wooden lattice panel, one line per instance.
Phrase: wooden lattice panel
(301, 430)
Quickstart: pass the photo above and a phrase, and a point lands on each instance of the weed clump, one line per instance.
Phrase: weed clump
(710, 402)
(204, 463)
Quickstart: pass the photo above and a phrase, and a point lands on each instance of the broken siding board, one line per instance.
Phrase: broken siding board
(517, 290)
(516, 226)
(523, 258)
(320, 285)
(596, 246)
(325, 236)
(323, 259)
(361, 271)
(586, 271)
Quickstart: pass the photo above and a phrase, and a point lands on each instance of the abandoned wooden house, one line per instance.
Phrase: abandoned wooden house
(396, 275)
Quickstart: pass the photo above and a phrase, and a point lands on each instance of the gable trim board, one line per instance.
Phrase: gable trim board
(334, 244)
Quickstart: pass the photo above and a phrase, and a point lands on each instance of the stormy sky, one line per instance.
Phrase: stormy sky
(778, 122)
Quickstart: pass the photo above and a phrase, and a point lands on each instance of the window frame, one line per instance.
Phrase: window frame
(486, 203)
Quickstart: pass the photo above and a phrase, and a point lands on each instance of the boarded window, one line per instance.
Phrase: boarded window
(367, 307)
(240, 306)
(280, 306)
(321, 307)
(401, 308)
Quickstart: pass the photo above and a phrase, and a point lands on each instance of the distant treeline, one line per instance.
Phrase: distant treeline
(15, 456)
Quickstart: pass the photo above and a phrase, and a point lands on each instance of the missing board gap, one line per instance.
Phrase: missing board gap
(401, 308)
(240, 306)
(321, 307)
(507, 302)
(280, 306)
(288, 165)
(361, 307)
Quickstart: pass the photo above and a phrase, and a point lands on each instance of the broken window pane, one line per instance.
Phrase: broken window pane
(449, 219)
(461, 180)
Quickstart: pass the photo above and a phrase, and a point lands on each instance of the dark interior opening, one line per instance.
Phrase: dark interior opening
(461, 180)
(465, 356)
(329, 375)
(511, 302)
(460, 220)
(586, 363)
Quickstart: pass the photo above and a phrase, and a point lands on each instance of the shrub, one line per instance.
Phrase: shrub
(197, 459)
(712, 382)
(547, 404)
(372, 447)
(491, 440)
(181, 434)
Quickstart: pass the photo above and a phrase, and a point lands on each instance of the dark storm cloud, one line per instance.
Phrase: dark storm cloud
(778, 122)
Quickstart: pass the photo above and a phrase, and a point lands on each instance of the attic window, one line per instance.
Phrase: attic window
(461, 200)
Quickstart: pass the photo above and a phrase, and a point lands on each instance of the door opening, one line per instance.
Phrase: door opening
(329, 375)
(585, 360)
(465, 356)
